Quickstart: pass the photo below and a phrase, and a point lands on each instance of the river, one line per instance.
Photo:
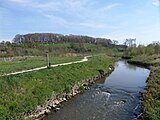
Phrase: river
(115, 98)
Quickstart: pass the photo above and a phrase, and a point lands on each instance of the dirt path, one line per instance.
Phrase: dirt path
(85, 59)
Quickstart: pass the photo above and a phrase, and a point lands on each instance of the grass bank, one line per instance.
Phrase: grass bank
(146, 60)
(22, 93)
(151, 96)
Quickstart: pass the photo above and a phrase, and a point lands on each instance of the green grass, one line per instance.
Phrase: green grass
(24, 63)
(153, 60)
(23, 92)
(55, 50)
(152, 96)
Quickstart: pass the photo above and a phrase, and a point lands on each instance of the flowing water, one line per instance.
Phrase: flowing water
(115, 98)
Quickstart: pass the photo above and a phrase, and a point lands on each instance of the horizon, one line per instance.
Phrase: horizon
(115, 20)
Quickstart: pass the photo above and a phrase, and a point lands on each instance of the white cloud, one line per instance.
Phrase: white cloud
(76, 3)
(49, 6)
(82, 9)
(156, 3)
(66, 6)
(20, 2)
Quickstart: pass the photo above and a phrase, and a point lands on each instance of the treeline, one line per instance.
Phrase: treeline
(38, 44)
(59, 38)
(141, 49)
(8, 49)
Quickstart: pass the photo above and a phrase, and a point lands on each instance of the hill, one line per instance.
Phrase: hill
(59, 38)
(37, 44)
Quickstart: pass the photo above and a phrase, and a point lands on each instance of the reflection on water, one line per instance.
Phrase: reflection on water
(115, 99)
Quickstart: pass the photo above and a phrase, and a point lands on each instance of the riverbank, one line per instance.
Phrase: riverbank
(151, 94)
(116, 97)
(54, 103)
(21, 94)
(145, 60)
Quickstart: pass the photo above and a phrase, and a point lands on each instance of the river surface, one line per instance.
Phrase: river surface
(115, 98)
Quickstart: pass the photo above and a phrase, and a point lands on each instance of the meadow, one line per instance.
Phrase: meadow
(22, 93)
(14, 64)
(26, 56)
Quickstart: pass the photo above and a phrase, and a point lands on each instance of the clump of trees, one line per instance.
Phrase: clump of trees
(29, 48)
(59, 38)
(150, 49)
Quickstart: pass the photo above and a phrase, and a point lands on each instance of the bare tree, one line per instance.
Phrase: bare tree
(130, 42)
(115, 42)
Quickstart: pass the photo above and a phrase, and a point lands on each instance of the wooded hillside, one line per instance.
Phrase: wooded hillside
(59, 38)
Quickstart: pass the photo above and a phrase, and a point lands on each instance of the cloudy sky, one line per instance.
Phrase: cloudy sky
(114, 19)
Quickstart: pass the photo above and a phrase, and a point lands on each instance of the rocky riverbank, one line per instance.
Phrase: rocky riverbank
(54, 103)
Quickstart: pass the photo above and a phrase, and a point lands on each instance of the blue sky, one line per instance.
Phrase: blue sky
(114, 19)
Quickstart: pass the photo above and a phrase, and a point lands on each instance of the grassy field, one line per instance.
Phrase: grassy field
(24, 63)
(151, 103)
(23, 92)
(56, 52)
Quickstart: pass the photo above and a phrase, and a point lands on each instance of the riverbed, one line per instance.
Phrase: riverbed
(114, 98)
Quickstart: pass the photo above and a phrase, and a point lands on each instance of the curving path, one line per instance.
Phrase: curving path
(85, 59)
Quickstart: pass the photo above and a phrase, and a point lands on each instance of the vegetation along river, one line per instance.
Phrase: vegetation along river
(115, 98)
